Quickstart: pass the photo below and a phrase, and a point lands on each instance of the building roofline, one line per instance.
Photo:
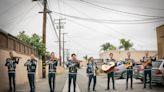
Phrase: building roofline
(160, 27)
(10, 35)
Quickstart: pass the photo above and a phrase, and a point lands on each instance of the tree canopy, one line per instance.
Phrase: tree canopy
(107, 46)
(34, 40)
(125, 44)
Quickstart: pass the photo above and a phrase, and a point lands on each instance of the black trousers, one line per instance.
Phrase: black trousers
(129, 75)
(51, 80)
(31, 79)
(91, 76)
(110, 75)
(147, 73)
(11, 81)
(70, 78)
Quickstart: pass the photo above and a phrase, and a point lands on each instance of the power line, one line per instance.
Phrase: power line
(12, 7)
(132, 6)
(23, 16)
(88, 27)
(50, 16)
(150, 20)
(91, 29)
(90, 17)
(125, 35)
(129, 13)
(98, 22)
(53, 23)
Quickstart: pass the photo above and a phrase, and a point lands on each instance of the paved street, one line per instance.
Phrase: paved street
(42, 36)
(82, 80)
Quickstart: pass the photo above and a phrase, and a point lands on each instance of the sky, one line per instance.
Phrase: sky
(88, 23)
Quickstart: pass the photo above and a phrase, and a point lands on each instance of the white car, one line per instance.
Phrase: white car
(158, 71)
(120, 71)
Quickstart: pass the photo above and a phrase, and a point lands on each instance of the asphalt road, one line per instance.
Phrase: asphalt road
(82, 82)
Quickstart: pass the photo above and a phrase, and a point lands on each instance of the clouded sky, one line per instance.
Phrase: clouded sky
(89, 23)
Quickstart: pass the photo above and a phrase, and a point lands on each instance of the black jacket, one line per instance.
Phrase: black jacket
(11, 64)
(73, 67)
(31, 65)
(52, 65)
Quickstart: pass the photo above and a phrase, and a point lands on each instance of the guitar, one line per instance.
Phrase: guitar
(128, 64)
(109, 67)
(148, 61)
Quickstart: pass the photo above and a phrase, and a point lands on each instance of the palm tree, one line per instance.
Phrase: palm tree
(125, 44)
(107, 46)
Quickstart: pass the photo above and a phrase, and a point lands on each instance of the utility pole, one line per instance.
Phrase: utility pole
(45, 11)
(64, 48)
(60, 26)
(68, 54)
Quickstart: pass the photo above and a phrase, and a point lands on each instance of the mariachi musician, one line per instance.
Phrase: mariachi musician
(110, 74)
(129, 63)
(31, 68)
(73, 66)
(91, 72)
(52, 64)
(147, 63)
(11, 64)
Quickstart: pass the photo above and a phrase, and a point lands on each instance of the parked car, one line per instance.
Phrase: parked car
(158, 71)
(138, 72)
(120, 70)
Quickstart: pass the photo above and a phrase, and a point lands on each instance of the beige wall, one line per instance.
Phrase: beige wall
(160, 40)
(121, 55)
(21, 72)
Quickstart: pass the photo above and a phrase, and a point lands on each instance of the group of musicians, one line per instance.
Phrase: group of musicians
(73, 64)
(129, 64)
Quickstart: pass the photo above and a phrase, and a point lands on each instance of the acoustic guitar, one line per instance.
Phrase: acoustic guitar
(108, 68)
(148, 61)
(128, 64)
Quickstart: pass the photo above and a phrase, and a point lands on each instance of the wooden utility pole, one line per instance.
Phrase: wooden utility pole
(60, 26)
(60, 41)
(68, 54)
(44, 37)
(45, 11)
(64, 48)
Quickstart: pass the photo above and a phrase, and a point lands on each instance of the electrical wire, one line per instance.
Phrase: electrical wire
(131, 6)
(89, 17)
(120, 11)
(50, 16)
(53, 23)
(152, 20)
(20, 20)
(12, 7)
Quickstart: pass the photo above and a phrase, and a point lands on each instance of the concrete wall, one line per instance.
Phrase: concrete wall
(21, 72)
(160, 40)
(121, 55)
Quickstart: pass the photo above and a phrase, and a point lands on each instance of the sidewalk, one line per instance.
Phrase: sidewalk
(43, 86)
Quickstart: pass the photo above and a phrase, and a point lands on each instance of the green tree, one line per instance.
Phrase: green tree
(35, 41)
(125, 44)
(23, 37)
(107, 46)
